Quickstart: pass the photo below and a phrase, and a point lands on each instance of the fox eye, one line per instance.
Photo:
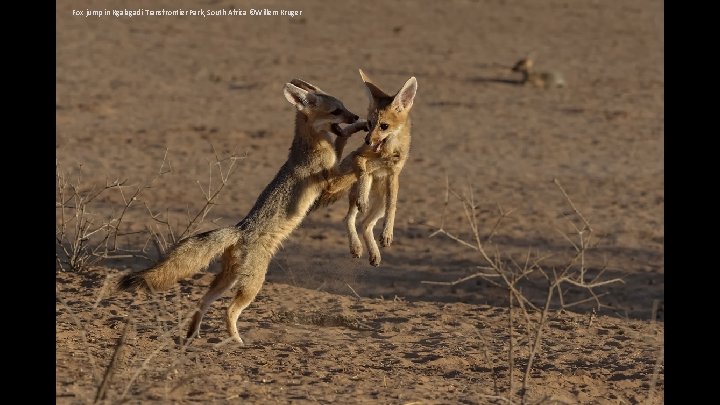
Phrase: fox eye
(383, 126)
(336, 111)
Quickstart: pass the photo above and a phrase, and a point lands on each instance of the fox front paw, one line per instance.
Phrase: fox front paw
(386, 239)
(375, 260)
(362, 205)
(358, 126)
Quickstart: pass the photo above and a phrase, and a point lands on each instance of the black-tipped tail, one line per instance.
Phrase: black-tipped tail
(131, 282)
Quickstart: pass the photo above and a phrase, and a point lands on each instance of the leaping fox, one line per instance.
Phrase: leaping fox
(371, 172)
(248, 246)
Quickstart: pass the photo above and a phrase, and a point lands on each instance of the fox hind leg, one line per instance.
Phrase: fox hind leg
(252, 276)
(353, 238)
(376, 209)
(222, 282)
(391, 190)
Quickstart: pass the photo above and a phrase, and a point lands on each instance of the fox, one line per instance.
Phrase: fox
(248, 247)
(371, 172)
(538, 79)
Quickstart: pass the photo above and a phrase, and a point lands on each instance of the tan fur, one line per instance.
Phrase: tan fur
(372, 171)
(249, 246)
(538, 79)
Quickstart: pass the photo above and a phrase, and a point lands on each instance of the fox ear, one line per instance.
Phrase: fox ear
(403, 101)
(373, 91)
(298, 97)
(307, 86)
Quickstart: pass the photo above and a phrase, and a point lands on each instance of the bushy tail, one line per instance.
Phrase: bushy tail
(185, 259)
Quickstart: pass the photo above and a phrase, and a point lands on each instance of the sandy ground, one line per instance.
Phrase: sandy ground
(134, 91)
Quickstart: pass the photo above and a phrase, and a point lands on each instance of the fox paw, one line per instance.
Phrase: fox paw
(386, 239)
(356, 251)
(362, 205)
(234, 339)
(375, 260)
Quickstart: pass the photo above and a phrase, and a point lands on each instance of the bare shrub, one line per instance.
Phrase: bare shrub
(84, 237)
(163, 235)
(506, 272)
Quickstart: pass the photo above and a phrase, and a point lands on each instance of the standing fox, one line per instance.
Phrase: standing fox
(376, 166)
(248, 246)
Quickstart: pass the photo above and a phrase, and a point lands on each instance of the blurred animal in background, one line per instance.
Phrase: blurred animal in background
(544, 80)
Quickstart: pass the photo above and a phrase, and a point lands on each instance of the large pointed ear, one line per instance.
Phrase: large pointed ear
(403, 101)
(298, 97)
(373, 91)
(307, 86)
